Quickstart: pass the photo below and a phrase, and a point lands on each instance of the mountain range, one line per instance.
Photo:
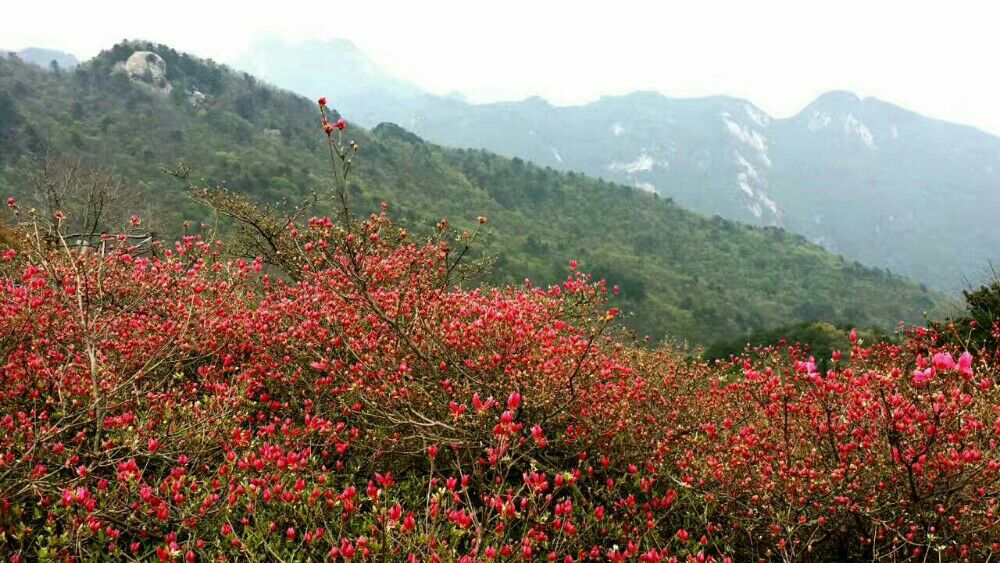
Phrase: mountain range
(45, 57)
(139, 107)
(861, 177)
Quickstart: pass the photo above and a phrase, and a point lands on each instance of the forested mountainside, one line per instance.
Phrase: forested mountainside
(861, 177)
(681, 275)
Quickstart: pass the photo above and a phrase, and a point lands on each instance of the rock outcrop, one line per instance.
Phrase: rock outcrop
(196, 99)
(146, 67)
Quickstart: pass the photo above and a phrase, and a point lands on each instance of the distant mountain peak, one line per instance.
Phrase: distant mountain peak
(457, 96)
(536, 100)
(335, 67)
(391, 130)
(836, 97)
(836, 172)
(639, 95)
(843, 101)
(44, 57)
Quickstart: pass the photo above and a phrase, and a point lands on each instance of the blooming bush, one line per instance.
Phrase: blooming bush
(171, 402)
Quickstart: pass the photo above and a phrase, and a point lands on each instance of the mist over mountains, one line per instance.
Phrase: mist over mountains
(861, 177)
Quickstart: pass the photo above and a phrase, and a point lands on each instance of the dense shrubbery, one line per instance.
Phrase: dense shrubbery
(345, 396)
(817, 338)
(168, 402)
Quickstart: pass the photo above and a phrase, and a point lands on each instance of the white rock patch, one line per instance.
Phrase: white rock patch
(819, 120)
(644, 162)
(854, 127)
(555, 153)
(758, 117)
(749, 137)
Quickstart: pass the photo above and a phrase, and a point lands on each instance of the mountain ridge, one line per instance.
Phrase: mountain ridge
(44, 57)
(681, 275)
(858, 175)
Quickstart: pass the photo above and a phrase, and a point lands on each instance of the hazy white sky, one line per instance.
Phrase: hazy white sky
(938, 58)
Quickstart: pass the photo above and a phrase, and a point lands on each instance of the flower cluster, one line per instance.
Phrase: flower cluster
(178, 404)
(186, 405)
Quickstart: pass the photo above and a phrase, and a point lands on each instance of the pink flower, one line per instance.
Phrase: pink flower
(347, 550)
(480, 404)
(539, 435)
(322, 102)
(943, 361)
(395, 513)
(923, 376)
(965, 364)
(340, 124)
(409, 523)
(806, 367)
(514, 400)
(432, 451)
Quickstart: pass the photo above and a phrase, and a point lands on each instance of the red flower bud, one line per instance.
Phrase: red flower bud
(514, 400)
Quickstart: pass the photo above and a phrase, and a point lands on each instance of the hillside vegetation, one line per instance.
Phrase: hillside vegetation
(680, 275)
(844, 172)
(163, 401)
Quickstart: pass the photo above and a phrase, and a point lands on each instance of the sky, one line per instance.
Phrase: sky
(937, 58)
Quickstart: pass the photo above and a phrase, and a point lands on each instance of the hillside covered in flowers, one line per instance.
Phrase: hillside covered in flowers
(346, 395)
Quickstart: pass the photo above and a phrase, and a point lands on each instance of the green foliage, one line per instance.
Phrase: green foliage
(977, 326)
(984, 309)
(682, 276)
